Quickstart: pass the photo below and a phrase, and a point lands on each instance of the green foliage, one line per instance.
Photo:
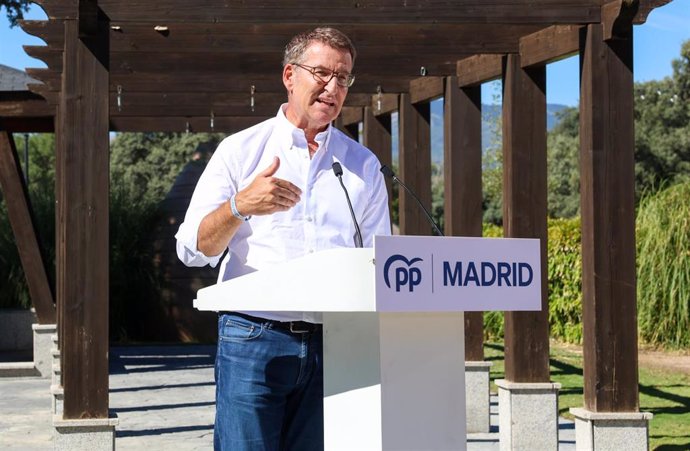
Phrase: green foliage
(662, 140)
(437, 195)
(14, 292)
(565, 283)
(565, 280)
(663, 267)
(134, 281)
(493, 321)
(563, 166)
(492, 173)
(146, 164)
(15, 9)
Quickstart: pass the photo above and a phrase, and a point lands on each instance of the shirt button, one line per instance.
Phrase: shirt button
(311, 251)
(309, 219)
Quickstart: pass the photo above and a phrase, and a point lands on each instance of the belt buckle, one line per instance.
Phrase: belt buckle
(294, 328)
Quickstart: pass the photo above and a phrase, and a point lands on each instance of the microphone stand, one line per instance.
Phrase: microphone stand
(388, 172)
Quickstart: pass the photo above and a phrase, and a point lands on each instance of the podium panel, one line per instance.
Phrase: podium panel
(394, 363)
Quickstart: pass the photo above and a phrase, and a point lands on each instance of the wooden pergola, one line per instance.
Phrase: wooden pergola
(172, 65)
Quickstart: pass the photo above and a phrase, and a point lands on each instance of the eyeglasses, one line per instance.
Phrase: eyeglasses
(323, 75)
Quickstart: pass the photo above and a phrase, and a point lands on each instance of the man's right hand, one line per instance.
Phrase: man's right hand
(267, 194)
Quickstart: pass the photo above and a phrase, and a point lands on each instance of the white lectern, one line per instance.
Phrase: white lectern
(393, 380)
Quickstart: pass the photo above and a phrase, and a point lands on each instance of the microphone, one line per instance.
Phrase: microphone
(388, 172)
(338, 171)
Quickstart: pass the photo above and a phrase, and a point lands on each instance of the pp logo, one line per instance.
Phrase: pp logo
(404, 275)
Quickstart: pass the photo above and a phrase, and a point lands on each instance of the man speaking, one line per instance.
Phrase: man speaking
(269, 195)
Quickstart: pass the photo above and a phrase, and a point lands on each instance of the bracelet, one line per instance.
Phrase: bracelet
(235, 212)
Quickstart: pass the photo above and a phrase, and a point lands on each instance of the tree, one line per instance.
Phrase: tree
(146, 164)
(563, 166)
(662, 140)
(15, 9)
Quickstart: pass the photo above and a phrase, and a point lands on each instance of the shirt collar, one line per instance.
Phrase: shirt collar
(293, 136)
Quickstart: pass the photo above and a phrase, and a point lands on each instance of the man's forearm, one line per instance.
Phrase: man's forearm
(217, 229)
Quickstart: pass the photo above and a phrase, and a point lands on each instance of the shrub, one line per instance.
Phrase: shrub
(565, 283)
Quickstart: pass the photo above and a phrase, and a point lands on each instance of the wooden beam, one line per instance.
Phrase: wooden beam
(645, 8)
(607, 184)
(415, 164)
(617, 17)
(423, 89)
(549, 45)
(25, 105)
(181, 124)
(341, 12)
(376, 135)
(83, 223)
(16, 197)
(27, 124)
(479, 69)
(215, 82)
(525, 210)
(351, 115)
(384, 103)
(462, 166)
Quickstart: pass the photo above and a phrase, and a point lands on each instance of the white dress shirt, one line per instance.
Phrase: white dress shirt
(320, 220)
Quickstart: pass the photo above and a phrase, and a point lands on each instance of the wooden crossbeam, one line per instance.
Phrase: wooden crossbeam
(549, 45)
(194, 37)
(384, 103)
(423, 89)
(479, 69)
(341, 11)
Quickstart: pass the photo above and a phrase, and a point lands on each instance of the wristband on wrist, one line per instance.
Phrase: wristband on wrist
(235, 212)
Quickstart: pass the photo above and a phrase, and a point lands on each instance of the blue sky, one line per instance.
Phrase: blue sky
(656, 43)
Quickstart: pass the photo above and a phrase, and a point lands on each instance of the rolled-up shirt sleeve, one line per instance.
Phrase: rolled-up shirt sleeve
(215, 186)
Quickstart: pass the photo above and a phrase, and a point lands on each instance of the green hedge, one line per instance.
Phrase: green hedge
(565, 283)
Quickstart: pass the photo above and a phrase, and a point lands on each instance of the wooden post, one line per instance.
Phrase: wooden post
(462, 163)
(16, 197)
(83, 226)
(415, 164)
(525, 209)
(607, 184)
(376, 133)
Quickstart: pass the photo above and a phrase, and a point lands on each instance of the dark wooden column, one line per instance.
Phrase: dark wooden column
(16, 197)
(608, 222)
(525, 209)
(83, 227)
(415, 164)
(376, 133)
(462, 164)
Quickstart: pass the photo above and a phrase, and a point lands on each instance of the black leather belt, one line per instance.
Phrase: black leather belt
(295, 327)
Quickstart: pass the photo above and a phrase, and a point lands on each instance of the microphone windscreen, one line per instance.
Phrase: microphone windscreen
(388, 172)
(337, 169)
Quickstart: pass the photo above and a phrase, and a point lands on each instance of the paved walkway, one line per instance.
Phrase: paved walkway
(163, 397)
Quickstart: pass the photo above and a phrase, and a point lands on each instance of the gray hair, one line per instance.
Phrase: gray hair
(294, 51)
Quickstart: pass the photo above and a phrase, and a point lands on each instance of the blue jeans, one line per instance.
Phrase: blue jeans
(269, 387)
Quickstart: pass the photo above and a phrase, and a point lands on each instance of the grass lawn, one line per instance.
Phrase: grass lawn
(664, 393)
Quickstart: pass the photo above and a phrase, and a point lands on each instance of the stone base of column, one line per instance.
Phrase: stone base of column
(57, 375)
(43, 346)
(599, 431)
(57, 394)
(85, 435)
(527, 415)
(477, 396)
